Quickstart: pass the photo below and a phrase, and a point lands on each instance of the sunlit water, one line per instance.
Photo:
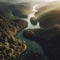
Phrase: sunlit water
(30, 26)
(32, 14)
(31, 45)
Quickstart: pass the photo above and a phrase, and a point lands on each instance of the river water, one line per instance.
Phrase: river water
(31, 45)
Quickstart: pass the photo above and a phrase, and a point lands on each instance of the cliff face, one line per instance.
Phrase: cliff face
(20, 10)
(49, 39)
(48, 36)
(49, 19)
(10, 47)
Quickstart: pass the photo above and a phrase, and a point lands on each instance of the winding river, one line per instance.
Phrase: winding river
(31, 45)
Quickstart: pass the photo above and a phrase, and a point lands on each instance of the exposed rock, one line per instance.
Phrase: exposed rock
(10, 47)
(6, 13)
(20, 10)
(49, 39)
(49, 19)
(19, 14)
(33, 21)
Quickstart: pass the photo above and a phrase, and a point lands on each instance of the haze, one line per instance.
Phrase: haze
(17, 1)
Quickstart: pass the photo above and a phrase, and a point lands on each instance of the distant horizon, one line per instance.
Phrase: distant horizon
(20, 1)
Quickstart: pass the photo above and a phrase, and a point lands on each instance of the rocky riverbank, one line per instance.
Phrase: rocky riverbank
(49, 39)
(10, 47)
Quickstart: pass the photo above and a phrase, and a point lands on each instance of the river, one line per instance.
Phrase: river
(31, 45)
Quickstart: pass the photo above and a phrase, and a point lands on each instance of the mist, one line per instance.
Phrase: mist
(19, 1)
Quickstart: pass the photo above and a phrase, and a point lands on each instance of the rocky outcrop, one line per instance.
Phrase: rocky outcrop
(20, 10)
(49, 19)
(6, 13)
(49, 39)
(33, 21)
(10, 47)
